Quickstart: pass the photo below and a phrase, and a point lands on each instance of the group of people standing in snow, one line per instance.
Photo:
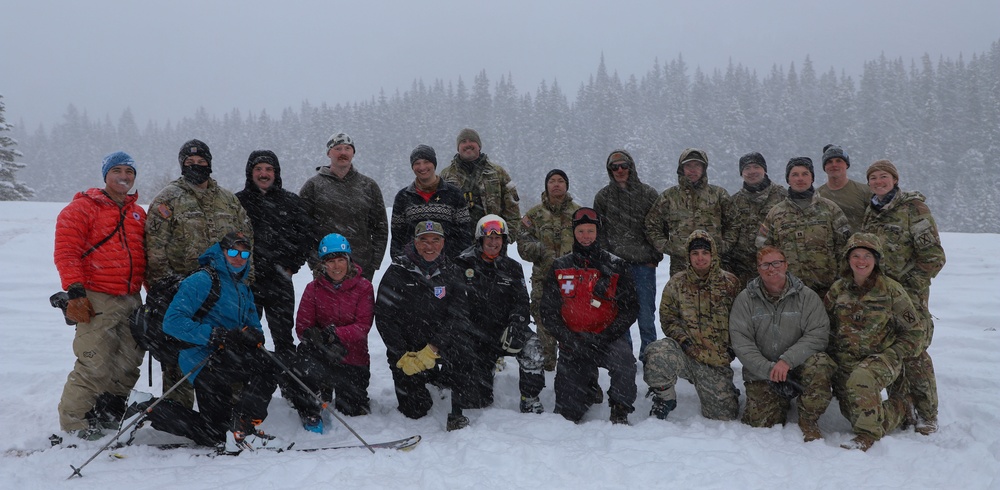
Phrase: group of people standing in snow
(819, 293)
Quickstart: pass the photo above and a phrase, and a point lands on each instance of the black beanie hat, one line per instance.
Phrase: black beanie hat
(700, 244)
(752, 157)
(423, 152)
(194, 147)
(558, 172)
(800, 162)
(834, 151)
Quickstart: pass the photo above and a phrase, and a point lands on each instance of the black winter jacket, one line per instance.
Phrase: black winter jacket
(498, 297)
(416, 307)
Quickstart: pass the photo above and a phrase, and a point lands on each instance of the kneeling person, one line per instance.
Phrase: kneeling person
(333, 321)
(694, 314)
(779, 330)
(230, 333)
(588, 304)
(498, 314)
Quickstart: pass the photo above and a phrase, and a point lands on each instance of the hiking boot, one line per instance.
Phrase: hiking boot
(860, 441)
(89, 434)
(597, 396)
(661, 408)
(457, 421)
(531, 405)
(810, 430)
(313, 423)
(619, 413)
(925, 426)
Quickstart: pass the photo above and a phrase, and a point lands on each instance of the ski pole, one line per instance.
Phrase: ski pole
(76, 471)
(318, 398)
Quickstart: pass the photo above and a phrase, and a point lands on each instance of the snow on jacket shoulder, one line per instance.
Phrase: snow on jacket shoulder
(349, 309)
(118, 266)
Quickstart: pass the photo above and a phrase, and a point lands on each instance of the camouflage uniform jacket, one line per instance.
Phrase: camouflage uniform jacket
(684, 208)
(623, 217)
(764, 332)
(546, 233)
(352, 206)
(913, 252)
(812, 239)
(749, 210)
(183, 221)
(879, 321)
(487, 188)
(696, 309)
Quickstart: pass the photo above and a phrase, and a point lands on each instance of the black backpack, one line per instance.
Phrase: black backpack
(146, 323)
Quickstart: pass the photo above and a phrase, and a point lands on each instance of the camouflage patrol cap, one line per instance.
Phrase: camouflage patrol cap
(868, 241)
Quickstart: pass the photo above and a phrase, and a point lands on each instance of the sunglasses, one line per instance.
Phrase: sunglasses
(585, 213)
(618, 166)
(493, 228)
(232, 252)
(768, 265)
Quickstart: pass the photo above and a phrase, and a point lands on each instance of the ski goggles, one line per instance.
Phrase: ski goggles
(243, 254)
(585, 215)
(493, 228)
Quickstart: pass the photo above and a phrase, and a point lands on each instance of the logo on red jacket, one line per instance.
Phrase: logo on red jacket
(439, 292)
(567, 284)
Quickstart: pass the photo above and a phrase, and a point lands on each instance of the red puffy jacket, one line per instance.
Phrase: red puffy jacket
(349, 308)
(116, 267)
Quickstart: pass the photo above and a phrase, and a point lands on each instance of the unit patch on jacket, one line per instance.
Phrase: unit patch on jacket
(439, 292)
(566, 284)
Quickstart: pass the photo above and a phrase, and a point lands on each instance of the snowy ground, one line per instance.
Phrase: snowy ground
(503, 448)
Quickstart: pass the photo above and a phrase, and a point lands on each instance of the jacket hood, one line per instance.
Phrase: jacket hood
(716, 260)
(97, 195)
(259, 156)
(617, 155)
(216, 259)
(692, 154)
(755, 288)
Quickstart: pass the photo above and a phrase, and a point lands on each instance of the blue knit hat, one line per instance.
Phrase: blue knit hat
(115, 159)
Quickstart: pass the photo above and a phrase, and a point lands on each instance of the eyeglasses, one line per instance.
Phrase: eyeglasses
(585, 213)
(243, 254)
(618, 166)
(768, 265)
(492, 228)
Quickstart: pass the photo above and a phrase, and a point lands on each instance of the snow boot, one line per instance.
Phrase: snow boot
(531, 405)
(925, 426)
(619, 413)
(860, 441)
(661, 408)
(237, 441)
(89, 434)
(597, 395)
(810, 429)
(457, 421)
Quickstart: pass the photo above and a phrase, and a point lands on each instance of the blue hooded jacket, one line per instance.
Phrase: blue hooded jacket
(234, 309)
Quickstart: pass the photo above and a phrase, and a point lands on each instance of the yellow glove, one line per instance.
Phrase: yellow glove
(427, 357)
(410, 364)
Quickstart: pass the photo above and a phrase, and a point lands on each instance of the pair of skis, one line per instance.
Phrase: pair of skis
(405, 444)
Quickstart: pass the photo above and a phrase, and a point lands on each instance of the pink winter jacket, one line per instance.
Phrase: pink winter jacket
(349, 308)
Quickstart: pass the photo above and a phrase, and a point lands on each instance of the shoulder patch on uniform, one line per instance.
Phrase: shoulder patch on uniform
(164, 211)
(526, 221)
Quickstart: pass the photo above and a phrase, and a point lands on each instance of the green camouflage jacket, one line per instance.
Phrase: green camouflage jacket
(684, 208)
(696, 309)
(913, 253)
(183, 221)
(487, 188)
(546, 233)
(812, 238)
(749, 210)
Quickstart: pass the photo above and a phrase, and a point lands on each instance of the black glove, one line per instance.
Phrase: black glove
(244, 339)
(787, 389)
(217, 339)
(313, 336)
(332, 348)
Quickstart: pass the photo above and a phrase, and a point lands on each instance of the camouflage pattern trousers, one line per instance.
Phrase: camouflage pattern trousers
(766, 408)
(550, 347)
(107, 359)
(665, 362)
(858, 388)
(918, 379)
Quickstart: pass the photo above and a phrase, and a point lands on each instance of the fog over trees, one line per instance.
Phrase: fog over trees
(938, 120)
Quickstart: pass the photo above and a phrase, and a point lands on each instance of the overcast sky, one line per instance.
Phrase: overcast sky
(164, 59)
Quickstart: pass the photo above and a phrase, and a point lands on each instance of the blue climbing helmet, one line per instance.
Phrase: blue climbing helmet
(334, 243)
